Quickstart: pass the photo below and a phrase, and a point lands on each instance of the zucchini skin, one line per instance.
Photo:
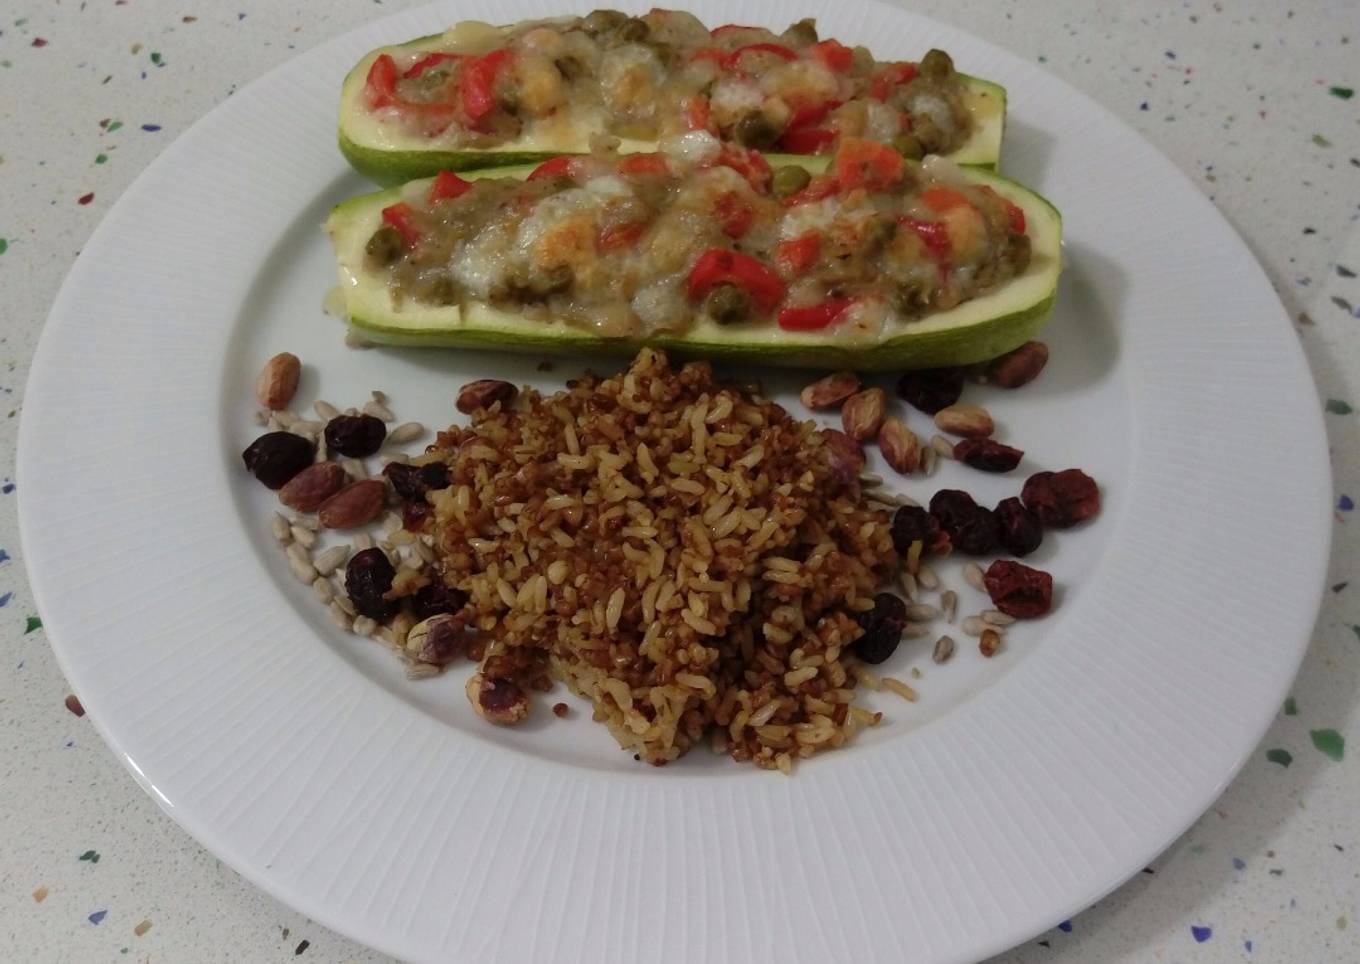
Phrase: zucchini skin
(966, 344)
(388, 167)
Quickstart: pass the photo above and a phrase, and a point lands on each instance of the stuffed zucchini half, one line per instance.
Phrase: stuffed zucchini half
(875, 263)
(480, 96)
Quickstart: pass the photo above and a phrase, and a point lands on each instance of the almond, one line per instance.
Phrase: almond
(312, 486)
(828, 392)
(900, 447)
(862, 413)
(970, 421)
(483, 393)
(278, 381)
(1019, 367)
(353, 505)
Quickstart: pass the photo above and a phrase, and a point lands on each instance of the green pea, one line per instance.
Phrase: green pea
(789, 179)
(756, 130)
(937, 65)
(802, 32)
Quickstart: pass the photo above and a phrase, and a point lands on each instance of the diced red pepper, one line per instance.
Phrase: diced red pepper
(809, 140)
(834, 54)
(559, 166)
(715, 54)
(748, 163)
(698, 113)
(478, 87)
(735, 213)
(448, 185)
(894, 75)
(942, 199)
(430, 61)
(867, 164)
(733, 60)
(933, 233)
(644, 164)
(809, 115)
(821, 186)
(381, 85)
(718, 266)
(814, 317)
(796, 256)
(1017, 218)
(619, 236)
(399, 216)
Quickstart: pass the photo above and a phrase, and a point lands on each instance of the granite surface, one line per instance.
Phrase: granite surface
(1254, 100)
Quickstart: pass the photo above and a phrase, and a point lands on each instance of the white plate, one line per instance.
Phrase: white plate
(1018, 789)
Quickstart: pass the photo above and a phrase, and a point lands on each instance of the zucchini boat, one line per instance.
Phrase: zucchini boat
(480, 95)
(876, 263)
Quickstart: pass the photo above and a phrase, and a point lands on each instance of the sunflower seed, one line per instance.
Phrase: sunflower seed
(363, 541)
(929, 459)
(279, 526)
(379, 410)
(285, 417)
(900, 688)
(303, 537)
(326, 410)
(302, 569)
(914, 631)
(972, 574)
(405, 432)
(346, 604)
(422, 670)
(332, 559)
(378, 396)
(922, 612)
(355, 468)
(942, 446)
(927, 578)
(309, 522)
(995, 617)
(973, 626)
(273, 424)
(908, 585)
(339, 616)
(322, 590)
(949, 602)
(401, 458)
(944, 648)
(363, 626)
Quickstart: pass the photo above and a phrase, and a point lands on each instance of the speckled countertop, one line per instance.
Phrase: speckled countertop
(1253, 99)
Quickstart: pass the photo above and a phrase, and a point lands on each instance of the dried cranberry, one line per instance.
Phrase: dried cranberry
(436, 598)
(367, 577)
(1017, 590)
(951, 507)
(987, 454)
(1019, 530)
(355, 435)
(882, 627)
(276, 457)
(1061, 499)
(931, 389)
(911, 523)
(977, 533)
(411, 482)
(414, 514)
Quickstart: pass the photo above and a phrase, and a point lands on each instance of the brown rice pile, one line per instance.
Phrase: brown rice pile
(681, 553)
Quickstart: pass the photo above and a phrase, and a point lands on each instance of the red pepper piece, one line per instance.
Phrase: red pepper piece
(807, 116)
(814, 317)
(644, 164)
(698, 113)
(733, 60)
(619, 236)
(942, 199)
(718, 266)
(430, 61)
(796, 256)
(448, 185)
(867, 164)
(834, 54)
(715, 54)
(749, 164)
(1017, 218)
(735, 213)
(381, 85)
(559, 166)
(933, 233)
(477, 90)
(821, 186)
(399, 216)
(891, 76)
(809, 140)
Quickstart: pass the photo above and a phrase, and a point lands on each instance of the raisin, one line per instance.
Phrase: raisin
(411, 482)
(414, 514)
(1061, 499)
(1019, 530)
(355, 435)
(882, 627)
(911, 523)
(987, 454)
(951, 506)
(931, 389)
(977, 532)
(275, 457)
(368, 577)
(436, 599)
(1017, 590)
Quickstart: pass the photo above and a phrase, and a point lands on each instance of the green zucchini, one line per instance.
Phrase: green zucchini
(974, 331)
(388, 156)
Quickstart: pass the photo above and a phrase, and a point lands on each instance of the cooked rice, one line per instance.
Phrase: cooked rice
(683, 555)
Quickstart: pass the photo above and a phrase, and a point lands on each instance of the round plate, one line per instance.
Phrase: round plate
(1016, 791)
